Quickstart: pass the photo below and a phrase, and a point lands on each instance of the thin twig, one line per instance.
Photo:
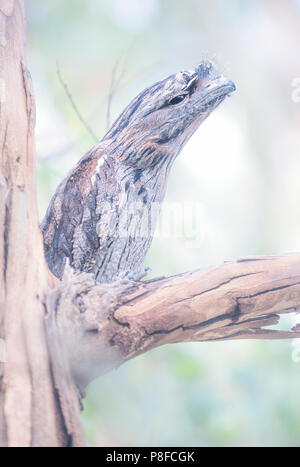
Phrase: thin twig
(100, 105)
(111, 93)
(114, 83)
(70, 97)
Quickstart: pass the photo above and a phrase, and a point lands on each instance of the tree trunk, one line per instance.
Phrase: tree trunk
(59, 336)
(29, 414)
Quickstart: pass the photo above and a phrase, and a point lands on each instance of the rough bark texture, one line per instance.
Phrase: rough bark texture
(29, 414)
(117, 322)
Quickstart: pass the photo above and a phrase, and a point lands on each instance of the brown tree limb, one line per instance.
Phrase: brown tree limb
(105, 325)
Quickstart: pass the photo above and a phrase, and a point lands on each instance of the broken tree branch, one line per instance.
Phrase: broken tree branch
(104, 325)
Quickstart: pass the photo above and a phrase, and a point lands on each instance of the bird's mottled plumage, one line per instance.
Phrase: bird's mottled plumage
(103, 214)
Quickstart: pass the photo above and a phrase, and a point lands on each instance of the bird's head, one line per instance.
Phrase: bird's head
(163, 117)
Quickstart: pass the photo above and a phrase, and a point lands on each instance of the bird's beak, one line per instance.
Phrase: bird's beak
(219, 87)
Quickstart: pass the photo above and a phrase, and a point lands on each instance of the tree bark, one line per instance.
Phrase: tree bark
(115, 323)
(29, 414)
(60, 335)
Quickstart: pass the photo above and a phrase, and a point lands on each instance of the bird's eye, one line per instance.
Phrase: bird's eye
(177, 99)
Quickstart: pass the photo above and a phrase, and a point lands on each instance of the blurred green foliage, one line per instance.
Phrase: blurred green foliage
(242, 167)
